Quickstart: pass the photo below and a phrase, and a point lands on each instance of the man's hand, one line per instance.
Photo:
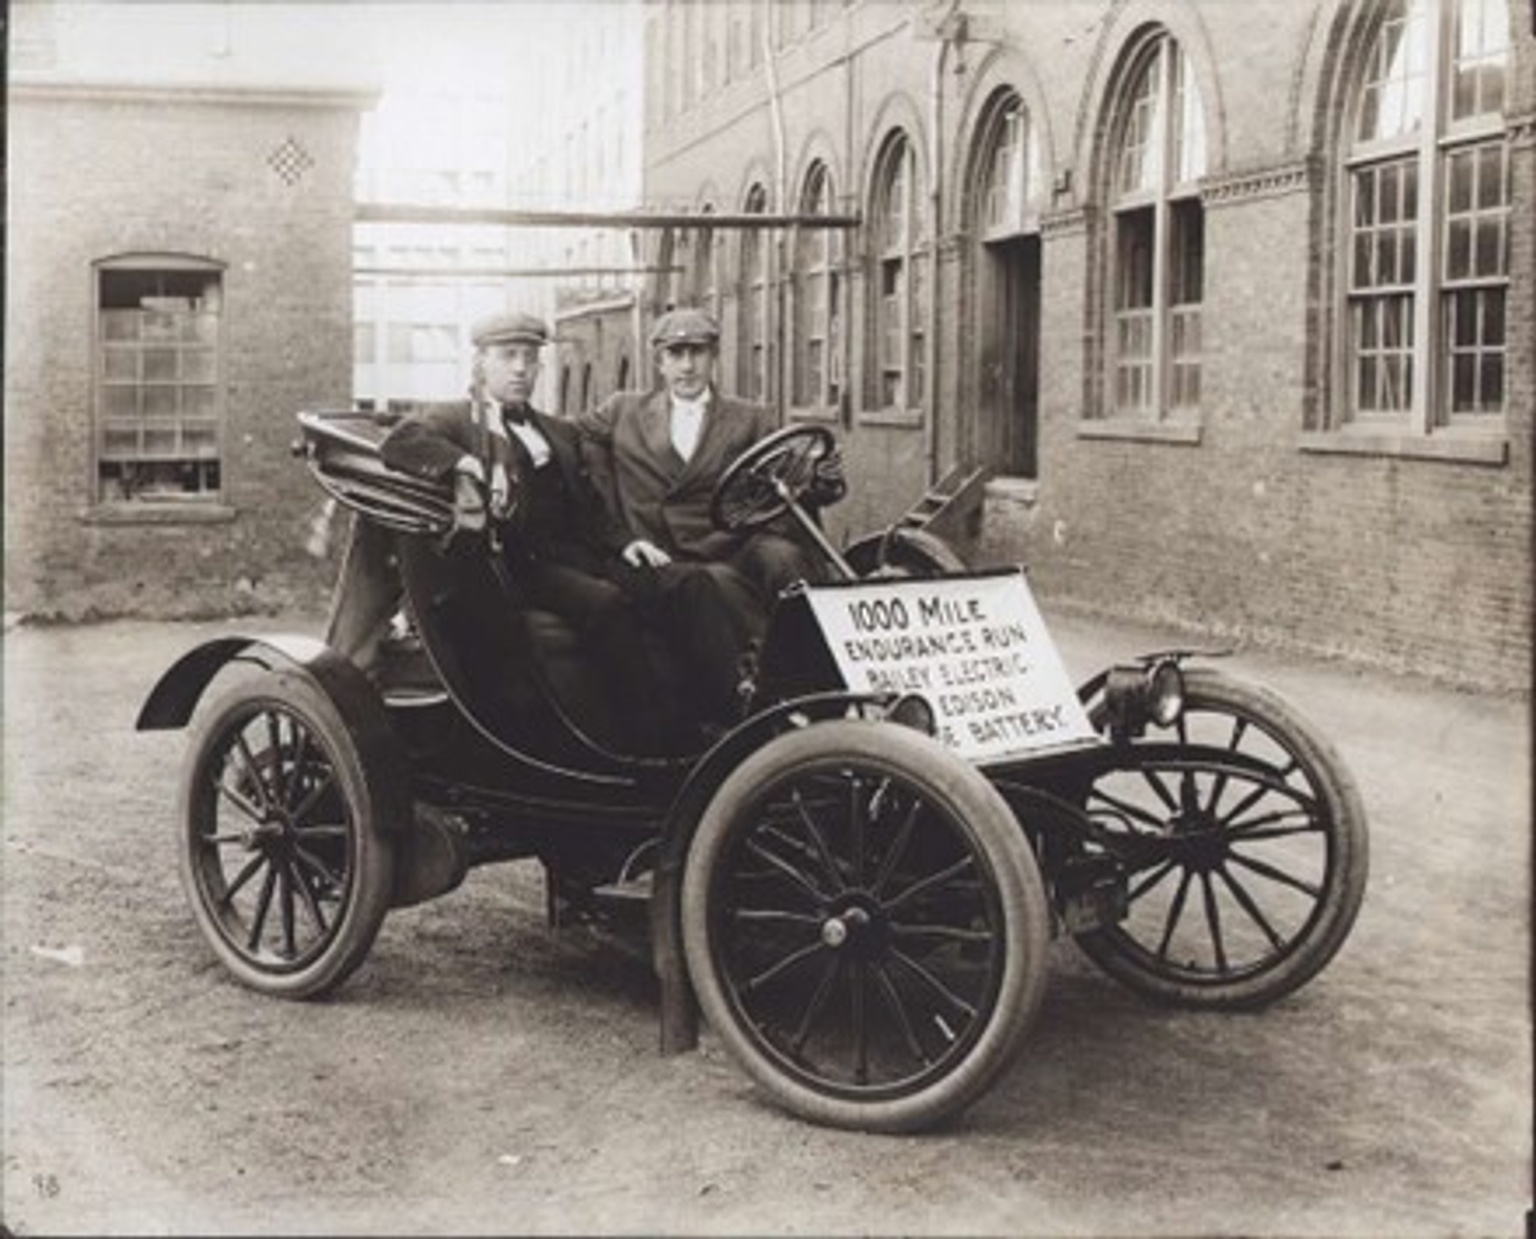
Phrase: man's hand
(828, 484)
(468, 495)
(641, 553)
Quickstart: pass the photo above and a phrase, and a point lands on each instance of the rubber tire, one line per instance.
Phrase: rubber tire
(371, 854)
(972, 803)
(1212, 690)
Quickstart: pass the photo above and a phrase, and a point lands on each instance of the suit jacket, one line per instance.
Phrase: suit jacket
(627, 444)
(429, 444)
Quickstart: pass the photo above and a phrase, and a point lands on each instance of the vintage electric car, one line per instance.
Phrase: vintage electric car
(856, 885)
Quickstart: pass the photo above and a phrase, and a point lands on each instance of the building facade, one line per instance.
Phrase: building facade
(421, 286)
(559, 135)
(591, 158)
(178, 286)
(1234, 302)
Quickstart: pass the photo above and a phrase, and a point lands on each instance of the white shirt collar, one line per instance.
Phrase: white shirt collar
(697, 405)
(529, 435)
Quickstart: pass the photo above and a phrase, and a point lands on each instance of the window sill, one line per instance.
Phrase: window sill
(1462, 449)
(191, 513)
(891, 416)
(1144, 432)
(812, 413)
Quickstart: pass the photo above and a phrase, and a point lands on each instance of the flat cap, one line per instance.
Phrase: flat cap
(685, 326)
(509, 328)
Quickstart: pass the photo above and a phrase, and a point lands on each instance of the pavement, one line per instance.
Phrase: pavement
(1392, 1097)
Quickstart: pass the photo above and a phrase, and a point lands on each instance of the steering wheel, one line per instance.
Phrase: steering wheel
(760, 485)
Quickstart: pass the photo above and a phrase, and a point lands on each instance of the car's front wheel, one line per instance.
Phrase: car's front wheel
(865, 925)
(1249, 844)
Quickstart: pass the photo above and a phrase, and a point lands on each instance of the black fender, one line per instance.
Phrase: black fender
(175, 695)
(679, 1007)
(1090, 687)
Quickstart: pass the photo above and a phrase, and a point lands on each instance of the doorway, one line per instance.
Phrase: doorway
(1008, 376)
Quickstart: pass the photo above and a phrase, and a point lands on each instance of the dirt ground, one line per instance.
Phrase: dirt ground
(482, 1075)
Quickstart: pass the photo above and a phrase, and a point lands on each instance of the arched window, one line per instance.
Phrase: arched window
(675, 259)
(818, 366)
(1425, 221)
(702, 286)
(900, 297)
(1157, 238)
(159, 415)
(754, 354)
(1010, 188)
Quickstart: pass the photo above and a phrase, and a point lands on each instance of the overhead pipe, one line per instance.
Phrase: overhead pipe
(950, 29)
(775, 273)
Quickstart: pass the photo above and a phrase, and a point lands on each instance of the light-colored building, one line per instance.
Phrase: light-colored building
(420, 286)
(554, 129)
(591, 161)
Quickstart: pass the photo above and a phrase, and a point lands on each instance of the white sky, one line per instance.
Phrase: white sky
(325, 43)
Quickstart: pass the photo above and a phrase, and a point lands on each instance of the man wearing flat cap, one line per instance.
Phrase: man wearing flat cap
(523, 469)
(656, 457)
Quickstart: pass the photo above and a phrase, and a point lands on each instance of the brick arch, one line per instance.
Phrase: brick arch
(1003, 69)
(817, 147)
(1338, 34)
(1122, 39)
(754, 176)
(897, 111)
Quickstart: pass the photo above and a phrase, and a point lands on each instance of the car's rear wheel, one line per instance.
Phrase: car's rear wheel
(279, 855)
(865, 926)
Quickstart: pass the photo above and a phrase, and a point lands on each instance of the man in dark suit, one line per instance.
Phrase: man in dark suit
(560, 548)
(657, 456)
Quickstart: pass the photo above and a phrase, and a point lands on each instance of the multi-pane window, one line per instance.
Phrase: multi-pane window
(1010, 180)
(1428, 202)
(1158, 238)
(754, 286)
(157, 381)
(900, 302)
(818, 299)
(700, 263)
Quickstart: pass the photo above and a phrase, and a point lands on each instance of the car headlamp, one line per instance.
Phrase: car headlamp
(1146, 693)
(1165, 692)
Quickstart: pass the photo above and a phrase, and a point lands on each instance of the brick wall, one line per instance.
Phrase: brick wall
(1247, 532)
(96, 174)
(1418, 565)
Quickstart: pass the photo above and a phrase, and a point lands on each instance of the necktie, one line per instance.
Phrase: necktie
(516, 414)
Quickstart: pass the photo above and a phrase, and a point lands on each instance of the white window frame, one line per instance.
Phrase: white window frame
(157, 384)
(898, 286)
(819, 372)
(1157, 158)
(754, 287)
(1395, 391)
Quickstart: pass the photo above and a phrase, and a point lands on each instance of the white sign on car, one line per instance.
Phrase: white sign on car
(975, 647)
